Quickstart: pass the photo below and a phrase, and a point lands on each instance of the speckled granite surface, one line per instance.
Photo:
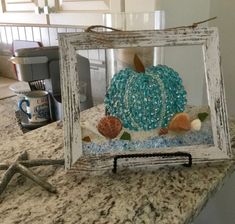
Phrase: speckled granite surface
(168, 195)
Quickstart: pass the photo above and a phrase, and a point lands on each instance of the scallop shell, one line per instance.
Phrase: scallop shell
(109, 126)
(180, 122)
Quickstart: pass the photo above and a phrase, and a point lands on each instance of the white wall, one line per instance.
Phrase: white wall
(184, 12)
(225, 12)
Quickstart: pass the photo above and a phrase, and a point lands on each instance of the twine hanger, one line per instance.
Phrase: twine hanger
(193, 26)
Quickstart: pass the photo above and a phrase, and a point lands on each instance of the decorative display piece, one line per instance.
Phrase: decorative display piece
(146, 116)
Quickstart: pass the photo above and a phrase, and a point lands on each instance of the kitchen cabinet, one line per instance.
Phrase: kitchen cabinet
(139, 6)
(57, 12)
(22, 11)
(67, 12)
(80, 12)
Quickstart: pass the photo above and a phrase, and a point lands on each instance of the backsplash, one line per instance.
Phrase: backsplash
(47, 36)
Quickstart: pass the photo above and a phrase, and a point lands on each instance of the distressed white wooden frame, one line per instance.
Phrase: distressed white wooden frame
(206, 37)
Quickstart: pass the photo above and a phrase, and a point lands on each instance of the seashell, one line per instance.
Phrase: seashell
(163, 131)
(180, 122)
(109, 126)
(86, 139)
(196, 125)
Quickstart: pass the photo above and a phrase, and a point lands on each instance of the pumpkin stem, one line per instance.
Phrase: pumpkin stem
(139, 67)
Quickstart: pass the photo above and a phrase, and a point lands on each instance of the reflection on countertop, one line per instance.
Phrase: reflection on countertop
(166, 195)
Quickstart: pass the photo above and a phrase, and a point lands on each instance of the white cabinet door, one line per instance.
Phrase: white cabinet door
(57, 12)
(140, 5)
(81, 12)
(21, 11)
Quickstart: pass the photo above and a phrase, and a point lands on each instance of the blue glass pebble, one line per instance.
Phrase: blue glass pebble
(203, 137)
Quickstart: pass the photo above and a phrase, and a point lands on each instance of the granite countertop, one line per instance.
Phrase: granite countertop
(169, 195)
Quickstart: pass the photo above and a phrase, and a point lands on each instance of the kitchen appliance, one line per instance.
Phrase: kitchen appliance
(40, 68)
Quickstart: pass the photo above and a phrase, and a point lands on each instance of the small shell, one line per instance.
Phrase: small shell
(180, 122)
(86, 139)
(196, 125)
(109, 126)
(163, 131)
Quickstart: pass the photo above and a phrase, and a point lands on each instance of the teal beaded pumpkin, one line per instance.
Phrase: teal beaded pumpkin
(145, 100)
